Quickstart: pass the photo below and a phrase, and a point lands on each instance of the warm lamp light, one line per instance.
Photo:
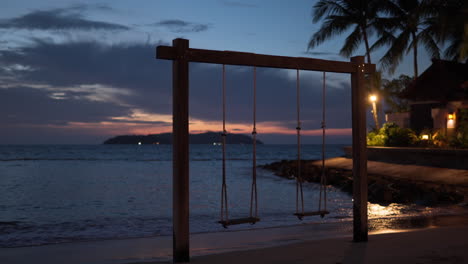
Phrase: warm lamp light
(451, 120)
(425, 137)
(373, 98)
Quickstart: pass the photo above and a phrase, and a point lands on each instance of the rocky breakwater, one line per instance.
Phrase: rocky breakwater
(388, 183)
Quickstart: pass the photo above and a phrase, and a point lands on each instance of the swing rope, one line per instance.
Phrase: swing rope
(299, 192)
(323, 183)
(322, 211)
(253, 193)
(224, 207)
(252, 219)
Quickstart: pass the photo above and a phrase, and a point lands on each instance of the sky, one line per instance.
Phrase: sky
(79, 72)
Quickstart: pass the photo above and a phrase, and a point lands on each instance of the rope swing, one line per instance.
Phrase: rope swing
(323, 178)
(224, 215)
(300, 213)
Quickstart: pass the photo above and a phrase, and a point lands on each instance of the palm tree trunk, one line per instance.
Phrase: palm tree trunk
(366, 41)
(415, 55)
(373, 89)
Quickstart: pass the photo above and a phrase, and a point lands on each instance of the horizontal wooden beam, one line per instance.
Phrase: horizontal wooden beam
(260, 60)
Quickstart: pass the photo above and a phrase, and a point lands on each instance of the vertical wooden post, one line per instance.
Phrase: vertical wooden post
(180, 155)
(358, 98)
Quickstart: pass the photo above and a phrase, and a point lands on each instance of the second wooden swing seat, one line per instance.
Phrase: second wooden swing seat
(225, 221)
(238, 221)
(300, 213)
(312, 213)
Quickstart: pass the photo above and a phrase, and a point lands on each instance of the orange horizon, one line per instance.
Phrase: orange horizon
(142, 123)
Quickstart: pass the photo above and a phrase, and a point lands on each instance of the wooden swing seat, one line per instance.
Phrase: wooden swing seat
(312, 213)
(238, 221)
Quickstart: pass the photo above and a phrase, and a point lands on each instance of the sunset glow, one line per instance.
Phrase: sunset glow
(92, 73)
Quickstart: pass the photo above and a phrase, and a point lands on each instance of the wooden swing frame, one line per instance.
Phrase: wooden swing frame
(181, 55)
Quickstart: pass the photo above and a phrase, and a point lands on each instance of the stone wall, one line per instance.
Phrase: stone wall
(401, 119)
(443, 158)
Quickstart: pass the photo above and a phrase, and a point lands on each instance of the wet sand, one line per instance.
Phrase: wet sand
(330, 242)
(434, 245)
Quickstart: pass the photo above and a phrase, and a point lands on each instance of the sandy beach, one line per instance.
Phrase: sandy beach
(440, 239)
(432, 245)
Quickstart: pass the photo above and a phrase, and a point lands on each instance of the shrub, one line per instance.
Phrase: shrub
(460, 140)
(440, 139)
(397, 136)
(391, 135)
(375, 139)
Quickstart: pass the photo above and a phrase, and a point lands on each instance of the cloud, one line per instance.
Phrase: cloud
(59, 19)
(239, 4)
(122, 87)
(129, 74)
(23, 105)
(320, 53)
(180, 26)
(132, 67)
(90, 92)
(86, 7)
(65, 85)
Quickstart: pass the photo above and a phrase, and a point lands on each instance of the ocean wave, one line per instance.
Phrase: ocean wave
(78, 159)
(21, 234)
(51, 159)
(122, 159)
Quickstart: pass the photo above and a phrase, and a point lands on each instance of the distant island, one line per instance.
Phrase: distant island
(213, 138)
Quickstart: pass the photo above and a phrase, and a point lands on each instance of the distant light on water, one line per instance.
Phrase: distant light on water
(139, 143)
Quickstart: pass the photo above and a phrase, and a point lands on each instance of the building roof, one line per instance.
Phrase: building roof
(443, 81)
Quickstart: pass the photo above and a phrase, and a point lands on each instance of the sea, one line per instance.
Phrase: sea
(53, 194)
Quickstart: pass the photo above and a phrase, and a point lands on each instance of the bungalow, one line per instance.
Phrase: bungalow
(436, 98)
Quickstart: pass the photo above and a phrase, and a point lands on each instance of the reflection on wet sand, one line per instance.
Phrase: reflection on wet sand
(400, 224)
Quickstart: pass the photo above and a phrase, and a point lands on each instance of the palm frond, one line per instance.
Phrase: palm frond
(382, 24)
(435, 28)
(452, 52)
(333, 25)
(391, 9)
(410, 47)
(395, 54)
(386, 38)
(427, 39)
(351, 43)
(325, 8)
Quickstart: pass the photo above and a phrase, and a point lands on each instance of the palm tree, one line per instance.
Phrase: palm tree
(341, 15)
(392, 90)
(411, 20)
(450, 26)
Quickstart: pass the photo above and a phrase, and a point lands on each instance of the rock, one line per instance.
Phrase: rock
(382, 190)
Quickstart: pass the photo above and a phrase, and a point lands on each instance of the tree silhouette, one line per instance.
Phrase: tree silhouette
(410, 21)
(341, 15)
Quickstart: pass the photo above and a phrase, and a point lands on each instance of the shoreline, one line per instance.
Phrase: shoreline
(159, 249)
(430, 245)
(392, 221)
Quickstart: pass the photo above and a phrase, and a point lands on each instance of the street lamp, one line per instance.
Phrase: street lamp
(373, 99)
